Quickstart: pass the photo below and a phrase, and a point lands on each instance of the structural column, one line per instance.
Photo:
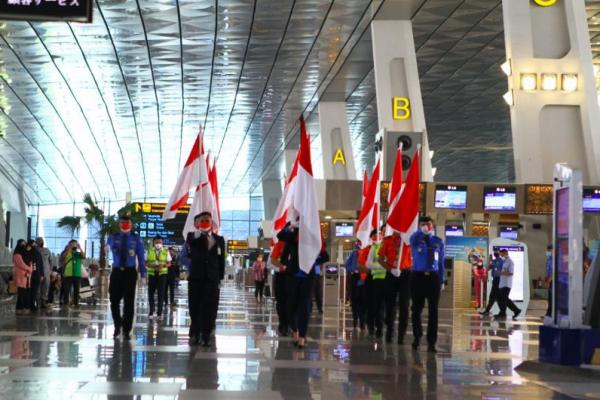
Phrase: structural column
(271, 194)
(554, 107)
(338, 161)
(399, 101)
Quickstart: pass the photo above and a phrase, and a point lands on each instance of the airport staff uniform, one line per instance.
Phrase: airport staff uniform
(126, 249)
(427, 279)
(397, 286)
(279, 281)
(207, 269)
(496, 267)
(157, 266)
(506, 282)
(375, 288)
(358, 295)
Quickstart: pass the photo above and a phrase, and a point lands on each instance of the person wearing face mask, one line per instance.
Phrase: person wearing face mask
(47, 269)
(73, 257)
(158, 260)
(22, 268)
(368, 262)
(127, 248)
(427, 280)
(495, 267)
(207, 269)
(506, 280)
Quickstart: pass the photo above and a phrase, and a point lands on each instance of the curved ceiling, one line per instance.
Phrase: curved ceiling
(114, 106)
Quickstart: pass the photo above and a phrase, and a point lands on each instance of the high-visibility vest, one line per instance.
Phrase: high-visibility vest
(152, 267)
(377, 271)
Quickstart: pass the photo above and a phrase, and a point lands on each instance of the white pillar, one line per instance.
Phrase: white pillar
(338, 161)
(397, 76)
(550, 126)
(272, 192)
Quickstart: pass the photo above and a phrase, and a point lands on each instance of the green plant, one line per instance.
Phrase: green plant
(72, 224)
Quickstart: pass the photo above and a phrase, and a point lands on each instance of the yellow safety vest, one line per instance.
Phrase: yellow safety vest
(161, 267)
(377, 271)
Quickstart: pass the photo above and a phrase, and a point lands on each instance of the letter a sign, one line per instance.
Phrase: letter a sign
(339, 157)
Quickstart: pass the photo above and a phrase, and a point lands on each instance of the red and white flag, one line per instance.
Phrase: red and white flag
(188, 179)
(395, 187)
(404, 218)
(369, 215)
(285, 203)
(203, 198)
(304, 202)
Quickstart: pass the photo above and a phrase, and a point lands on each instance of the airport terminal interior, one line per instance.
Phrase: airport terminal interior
(299, 199)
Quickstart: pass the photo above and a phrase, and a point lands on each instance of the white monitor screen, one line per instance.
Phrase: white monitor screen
(499, 198)
(453, 230)
(344, 229)
(517, 255)
(591, 200)
(451, 197)
(508, 232)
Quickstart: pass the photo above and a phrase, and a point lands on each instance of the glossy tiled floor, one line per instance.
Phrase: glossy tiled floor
(70, 354)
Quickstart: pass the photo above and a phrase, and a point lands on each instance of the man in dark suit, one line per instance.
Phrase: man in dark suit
(207, 269)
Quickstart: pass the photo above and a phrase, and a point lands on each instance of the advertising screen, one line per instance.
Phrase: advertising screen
(499, 198)
(561, 259)
(591, 200)
(517, 255)
(454, 230)
(509, 232)
(451, 197)
(344, 229)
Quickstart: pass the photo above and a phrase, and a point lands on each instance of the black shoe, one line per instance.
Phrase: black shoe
(194, 341)
(516, 315)
(400, 340)
(500, 316)
(484, 313)
(415, 344)
(117, 332)
(431, 348)
(205, 341)
(126, 336)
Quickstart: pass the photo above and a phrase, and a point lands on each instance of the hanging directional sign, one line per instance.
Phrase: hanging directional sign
(47, 10)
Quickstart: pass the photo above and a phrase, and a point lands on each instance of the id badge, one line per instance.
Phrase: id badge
(131, 252)
(218, 251)
(436, 256)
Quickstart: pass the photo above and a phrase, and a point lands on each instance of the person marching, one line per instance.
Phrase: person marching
(427, 280)
(207, 269)
(126, 247)
(496, 267)
(172, 278)
(397, 285)
(158, 261)
(358, 296)
(279, 280)
(368, 262)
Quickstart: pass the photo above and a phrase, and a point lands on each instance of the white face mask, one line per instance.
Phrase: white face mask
(425, 229)
(158, 246)
(548, 253)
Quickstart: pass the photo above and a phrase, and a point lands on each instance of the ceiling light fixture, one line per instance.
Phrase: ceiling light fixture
(508, 98)
(528, 81)
(506, 68)
(569, 82)
(328, 217)
(549, 82)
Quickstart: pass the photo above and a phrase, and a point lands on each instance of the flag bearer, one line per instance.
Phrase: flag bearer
(368, 262)
(397, 285)
(158, 262)
(127, 247)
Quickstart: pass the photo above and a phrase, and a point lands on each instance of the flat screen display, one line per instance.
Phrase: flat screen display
(509, 232)
(454, 230)
(591, 200)
(344, 229)
(499, 198)
(451, 197)
(517, 255)
(561, 259)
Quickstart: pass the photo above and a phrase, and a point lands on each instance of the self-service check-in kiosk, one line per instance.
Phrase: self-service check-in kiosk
(334, 284)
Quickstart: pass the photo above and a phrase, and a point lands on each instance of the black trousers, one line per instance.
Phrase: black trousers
(203, 299)
(281, 301)
(23, 301)
(376, 304)
(506, 302)
(170, 289)
(34, 290)
(299, 291)
(259, 289)
(425, 286)
(156, 283)
(318, 292)
(122, 287)
(397, 296)
(51, 290)
(71, 282)
(358, 299)
(494, 294)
